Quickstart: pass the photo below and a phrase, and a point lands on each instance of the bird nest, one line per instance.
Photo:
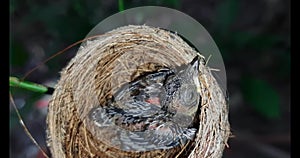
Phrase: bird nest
(101, 66)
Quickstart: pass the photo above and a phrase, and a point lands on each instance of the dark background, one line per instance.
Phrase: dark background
(252, 35)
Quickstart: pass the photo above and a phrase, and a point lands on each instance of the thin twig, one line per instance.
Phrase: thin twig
(24, 126)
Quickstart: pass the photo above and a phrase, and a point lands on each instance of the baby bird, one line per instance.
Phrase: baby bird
(155, 111)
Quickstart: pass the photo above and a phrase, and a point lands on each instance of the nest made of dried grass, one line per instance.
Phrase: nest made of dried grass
(101, 66)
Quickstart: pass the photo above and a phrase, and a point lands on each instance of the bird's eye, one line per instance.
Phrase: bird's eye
(189, 96)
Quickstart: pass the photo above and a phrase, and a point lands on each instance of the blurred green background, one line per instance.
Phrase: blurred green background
(252, 35)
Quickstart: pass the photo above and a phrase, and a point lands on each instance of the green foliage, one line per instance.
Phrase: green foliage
(261, 96)
(230, 40)
(265, 46)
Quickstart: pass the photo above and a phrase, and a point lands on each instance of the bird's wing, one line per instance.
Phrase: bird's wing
(166, 136)
(143, 88)
(136, 116)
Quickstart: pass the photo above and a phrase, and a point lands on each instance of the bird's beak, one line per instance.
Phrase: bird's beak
(195, 64)
(194, 71)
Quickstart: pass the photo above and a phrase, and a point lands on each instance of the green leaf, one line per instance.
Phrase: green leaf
(261, 96)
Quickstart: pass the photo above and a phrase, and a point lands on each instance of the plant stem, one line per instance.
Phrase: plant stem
(15, 82)
(121, 5)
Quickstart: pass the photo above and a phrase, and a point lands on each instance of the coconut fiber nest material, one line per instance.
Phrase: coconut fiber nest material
(101, 67)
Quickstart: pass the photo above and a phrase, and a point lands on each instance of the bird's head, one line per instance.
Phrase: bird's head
(182, 96)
